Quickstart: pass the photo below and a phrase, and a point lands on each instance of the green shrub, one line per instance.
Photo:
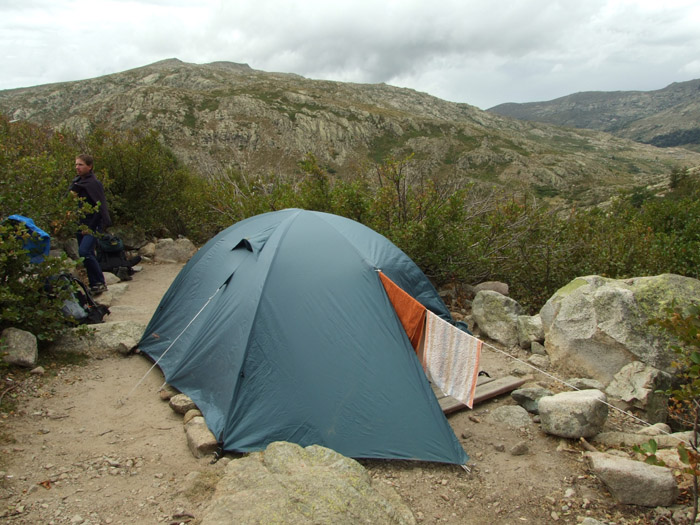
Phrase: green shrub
(36, 167)
(684, 401)
(147, 188)
(453, 230)
(25, 302)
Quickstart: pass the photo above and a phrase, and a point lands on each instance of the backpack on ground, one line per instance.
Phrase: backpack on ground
(112, 257)
(37, 243)
(80, 307)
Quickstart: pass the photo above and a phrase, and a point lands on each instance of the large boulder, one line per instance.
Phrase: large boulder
(290, 484)
(529, 330)
(634, 482)
(497, 316)
(641, 387)
(595, 326)
(19, 347)
(101, 340)
(573, 415)
(174, 251)
(494, 286)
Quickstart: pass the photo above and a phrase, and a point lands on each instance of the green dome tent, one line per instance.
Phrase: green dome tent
(279, 329)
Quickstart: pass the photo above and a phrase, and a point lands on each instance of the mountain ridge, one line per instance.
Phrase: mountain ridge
(663, 117)
(226, 115)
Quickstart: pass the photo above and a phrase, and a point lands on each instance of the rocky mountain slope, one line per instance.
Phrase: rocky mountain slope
(665, 117)
(226, 115)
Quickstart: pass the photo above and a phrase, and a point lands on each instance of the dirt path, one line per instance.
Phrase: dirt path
(84, 446)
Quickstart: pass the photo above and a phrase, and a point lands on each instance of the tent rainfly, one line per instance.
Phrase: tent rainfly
(280, 329)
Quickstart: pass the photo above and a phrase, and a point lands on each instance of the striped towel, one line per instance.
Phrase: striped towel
(451, 357)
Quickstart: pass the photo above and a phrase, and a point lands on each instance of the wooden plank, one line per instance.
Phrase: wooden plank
(485, 389)
(481, 380)
(498, 387)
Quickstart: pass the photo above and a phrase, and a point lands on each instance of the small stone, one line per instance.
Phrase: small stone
(167, 392)
(191, 414)
(38, 371)
(656, 430)
(180, 403)
(520, 449)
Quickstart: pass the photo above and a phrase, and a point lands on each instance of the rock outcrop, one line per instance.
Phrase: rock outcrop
(595, 326)
(224, 115)
(497, 316)
(103, 339)
(290, 484)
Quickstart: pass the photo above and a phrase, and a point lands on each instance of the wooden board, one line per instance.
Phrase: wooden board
(486, 388)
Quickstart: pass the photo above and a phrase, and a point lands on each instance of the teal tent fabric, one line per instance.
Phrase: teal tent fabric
(279, 329)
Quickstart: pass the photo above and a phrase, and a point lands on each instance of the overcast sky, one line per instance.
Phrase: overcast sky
(480, 52)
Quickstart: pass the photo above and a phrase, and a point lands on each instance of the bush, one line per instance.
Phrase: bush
(146, 186)
(35, 172)
(684, 326)
(25, 302)
(454, 231)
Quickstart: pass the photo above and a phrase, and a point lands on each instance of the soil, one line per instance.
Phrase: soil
(91, 442)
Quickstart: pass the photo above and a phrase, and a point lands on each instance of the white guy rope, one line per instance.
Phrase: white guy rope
(646, 423)
(121, 401)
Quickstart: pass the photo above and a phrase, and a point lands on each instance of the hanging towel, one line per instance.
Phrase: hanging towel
(410, 312)
(451, 357)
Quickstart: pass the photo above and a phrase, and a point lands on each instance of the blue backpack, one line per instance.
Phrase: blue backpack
(39, 244)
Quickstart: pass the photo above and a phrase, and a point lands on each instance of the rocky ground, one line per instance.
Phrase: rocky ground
(91, 442)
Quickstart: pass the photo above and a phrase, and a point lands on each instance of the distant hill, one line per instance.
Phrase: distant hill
(668, 117)
(227, 115)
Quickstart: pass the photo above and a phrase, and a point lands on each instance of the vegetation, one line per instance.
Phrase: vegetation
(455, 231)
(469, 234)
(26, 301)
(677, 138)
(146, 189)
(684, 399)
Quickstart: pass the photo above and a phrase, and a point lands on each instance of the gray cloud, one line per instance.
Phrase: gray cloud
(465, 51)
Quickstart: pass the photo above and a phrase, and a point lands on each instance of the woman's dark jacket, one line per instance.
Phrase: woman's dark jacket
(91, 189)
